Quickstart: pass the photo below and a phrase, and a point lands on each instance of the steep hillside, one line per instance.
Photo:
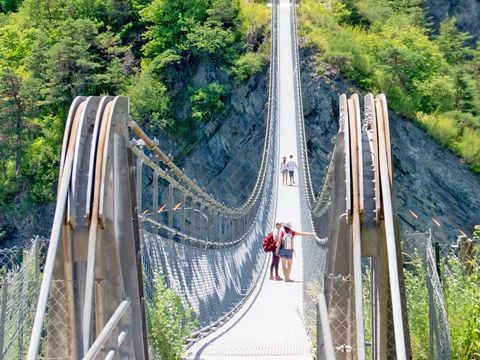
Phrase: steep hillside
(429, 180)
(467, 13)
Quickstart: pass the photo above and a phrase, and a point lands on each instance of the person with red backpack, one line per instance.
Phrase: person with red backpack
(275, 257)
(285, 247)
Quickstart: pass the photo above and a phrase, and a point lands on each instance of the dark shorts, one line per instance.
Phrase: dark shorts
(275, 259)
(291, 173)
(286, 253)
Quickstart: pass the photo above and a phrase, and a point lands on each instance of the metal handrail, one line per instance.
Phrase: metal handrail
(107, 330)
(328, 348)
(386, 190)
(54, 237)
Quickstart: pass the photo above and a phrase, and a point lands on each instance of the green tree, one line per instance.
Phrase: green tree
(465, 97)
(43, 15)
(452, 42)
(247, 65)
(17, 107)
(169, 22)
(211, 41)
(207, 102)
(227, 13)
(15, 45)
(406, 57)
(41, 169)
(169, 324)
(414, 9)
(150, 103)
(7, 6)
(82, 62)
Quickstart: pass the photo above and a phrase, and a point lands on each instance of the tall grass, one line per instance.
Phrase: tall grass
(462, 300)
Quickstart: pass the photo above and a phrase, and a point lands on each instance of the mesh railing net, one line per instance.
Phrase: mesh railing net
(20, 282)
(439, 330)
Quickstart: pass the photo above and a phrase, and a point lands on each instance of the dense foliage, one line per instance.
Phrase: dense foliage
(388, 46)
(169, 324)
(461, 289)
(149, 50)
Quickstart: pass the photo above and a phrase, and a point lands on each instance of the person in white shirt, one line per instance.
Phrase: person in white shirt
(285, 247)
(291, 165)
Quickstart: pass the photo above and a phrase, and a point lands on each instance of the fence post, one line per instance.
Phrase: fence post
(37, 265)
(3, 314)
(437, 259)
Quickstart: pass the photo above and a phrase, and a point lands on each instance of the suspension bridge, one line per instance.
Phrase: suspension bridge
(112, 234)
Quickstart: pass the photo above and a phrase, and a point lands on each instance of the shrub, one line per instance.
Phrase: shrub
(247, 65)
(469, 148)
(169, 324)
(462, 296)
(442, 128)
(150, 102)
(207, 101)
(417, 308)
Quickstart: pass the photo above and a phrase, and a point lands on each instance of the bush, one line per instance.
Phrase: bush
(469, 148)
(417, 308)
(169, 324)
(150, 103)
(442, 128)
(462, 296)
(207, 101)
(247, 65)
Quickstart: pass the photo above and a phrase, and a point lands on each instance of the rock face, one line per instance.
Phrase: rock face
(227, 155)
(429, 180)
(467, 13)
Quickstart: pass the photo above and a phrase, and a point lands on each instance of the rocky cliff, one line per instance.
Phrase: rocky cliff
(467, 13)
(226, 155)
(429, 181)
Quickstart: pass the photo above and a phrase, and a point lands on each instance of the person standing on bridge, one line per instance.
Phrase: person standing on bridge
(275, 257)
(291, 165)
(285, 247)
(284, 170)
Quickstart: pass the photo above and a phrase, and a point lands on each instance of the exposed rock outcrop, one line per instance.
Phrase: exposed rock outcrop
(429, 180)
(467, 13)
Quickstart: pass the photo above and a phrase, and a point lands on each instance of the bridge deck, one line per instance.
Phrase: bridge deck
(270, 324)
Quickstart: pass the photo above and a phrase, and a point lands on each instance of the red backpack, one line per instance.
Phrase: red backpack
(268, 242)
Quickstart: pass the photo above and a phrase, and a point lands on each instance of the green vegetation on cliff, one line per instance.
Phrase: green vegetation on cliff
(149, 50)
(388, 46)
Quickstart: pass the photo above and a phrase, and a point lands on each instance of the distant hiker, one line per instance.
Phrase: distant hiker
(275, 257)
(284, 170)
(291, 165)
(285, 247)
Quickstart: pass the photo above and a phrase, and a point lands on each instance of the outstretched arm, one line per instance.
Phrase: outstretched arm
(303, 233)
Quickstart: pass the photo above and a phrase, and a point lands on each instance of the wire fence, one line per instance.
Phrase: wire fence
(429, 254)
(20, 276)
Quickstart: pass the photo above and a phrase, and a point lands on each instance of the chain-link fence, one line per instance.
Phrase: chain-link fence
(342, 315)
(429, 253)
(20, 277)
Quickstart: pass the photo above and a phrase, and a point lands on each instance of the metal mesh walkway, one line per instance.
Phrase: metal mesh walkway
(270, 325)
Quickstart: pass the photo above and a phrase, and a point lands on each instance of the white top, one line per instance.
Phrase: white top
(291, 165)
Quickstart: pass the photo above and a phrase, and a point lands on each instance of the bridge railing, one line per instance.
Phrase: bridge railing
(209, 252)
